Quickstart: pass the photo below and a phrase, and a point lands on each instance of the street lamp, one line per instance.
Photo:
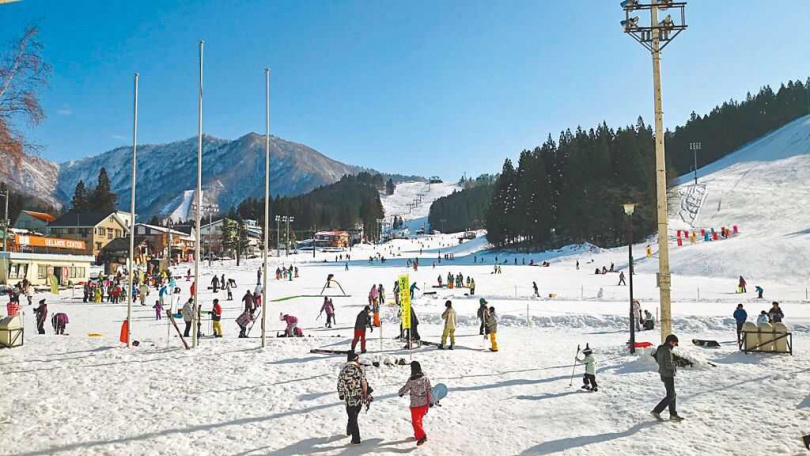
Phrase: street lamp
(278, 236)
(289, 220)
(629, 208)
(694, 147)
(655, 38)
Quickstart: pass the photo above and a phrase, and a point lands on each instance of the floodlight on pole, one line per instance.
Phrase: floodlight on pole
(265, 247)
(629, 208)
(655, 37)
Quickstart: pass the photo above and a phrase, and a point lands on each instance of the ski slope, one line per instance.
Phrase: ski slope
(405, 194)
(762, 188)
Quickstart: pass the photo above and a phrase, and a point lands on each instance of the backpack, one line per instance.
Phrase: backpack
(654, 354)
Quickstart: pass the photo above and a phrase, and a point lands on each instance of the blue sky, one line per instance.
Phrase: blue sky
(422, 87)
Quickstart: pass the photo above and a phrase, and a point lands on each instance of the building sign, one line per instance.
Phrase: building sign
(54, 243)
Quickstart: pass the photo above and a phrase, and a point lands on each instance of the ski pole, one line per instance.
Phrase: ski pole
(571, 382)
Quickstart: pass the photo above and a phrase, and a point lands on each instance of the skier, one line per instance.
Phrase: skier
(740, 315)
(187, 315)
(291, 322)
(158, 310)
(329, 308)
(482, 310)
(381, 294)
(449, 317)
(536, 291)
(229, 288)
(59, 321)
(775, 314)
(418, 385)
(741, 286)
(215, 284)
(353, 389)
(360, 324)
(621, 279)
(763, 318)
(666, 368)
(216, 317)
(492, 328)
(375, 305)
(41, 314)
(413, 290)
(589, 379)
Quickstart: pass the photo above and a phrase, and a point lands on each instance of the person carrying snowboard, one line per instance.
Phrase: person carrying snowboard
(740, 316)
(449, 317)
(362, 322)
(666, 368)
(41, 313)
(329, 308)
(418, 385)
(589, 379)
(492, 327)
(216, 317)
(353, 389)
(482, 311)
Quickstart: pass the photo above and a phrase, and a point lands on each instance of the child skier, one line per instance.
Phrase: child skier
(589, 379)
(418, 385)
(158, 310)
(329, 308)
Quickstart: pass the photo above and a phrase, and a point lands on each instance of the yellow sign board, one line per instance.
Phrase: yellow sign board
(405, 301)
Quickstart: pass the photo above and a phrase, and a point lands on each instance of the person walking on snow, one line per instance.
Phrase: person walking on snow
(472, 286)
(418, 385)
(589, 379)
(229, 288)
(492, 328)
(621, 279)
(41, 313)
(449, 317)
(666, 368)
(373, 301)
(329, 309)
(158, 310)
(740, 316)
(536, 291)
(215, 284)
(352, 388)
(482, 312)
(362, 322)
(216, 317)
(187, 313)
(248, 301)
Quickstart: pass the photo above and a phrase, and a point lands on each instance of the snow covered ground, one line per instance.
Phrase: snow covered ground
(91, 396)
(406, 193)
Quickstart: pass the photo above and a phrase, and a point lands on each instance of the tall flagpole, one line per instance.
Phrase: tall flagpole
(132, 214)
(197, 258)
(265, 297)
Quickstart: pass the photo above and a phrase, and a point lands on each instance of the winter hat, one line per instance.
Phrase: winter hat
(587, 350)
(739, 306)
(448, 304)
(351, 356)
(42, 301)
(216, 301)
(416, 368)
(492, 309)
(482, 301)
(280, 316)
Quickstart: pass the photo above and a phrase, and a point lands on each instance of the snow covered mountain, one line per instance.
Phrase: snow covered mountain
(412, 200)
(33, 176)
(232, 171)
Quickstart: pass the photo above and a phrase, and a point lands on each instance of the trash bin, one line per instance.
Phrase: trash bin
(751, 335)
(780, 345)
(765, 336)
(11, 332)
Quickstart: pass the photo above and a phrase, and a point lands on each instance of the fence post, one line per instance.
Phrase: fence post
(527, 315)
(698, 294)
(582, 292)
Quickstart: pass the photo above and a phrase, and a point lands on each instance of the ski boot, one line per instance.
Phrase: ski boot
(675, 417)
(586, 387)
(441, 347)
(450, 347)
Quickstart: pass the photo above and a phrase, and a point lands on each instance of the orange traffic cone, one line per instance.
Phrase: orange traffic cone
(124, 332)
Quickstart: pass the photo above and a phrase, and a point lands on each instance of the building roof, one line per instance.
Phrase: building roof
(84, 219)
(332, 233)
(122, 243)
(161, 229)
(47, 218)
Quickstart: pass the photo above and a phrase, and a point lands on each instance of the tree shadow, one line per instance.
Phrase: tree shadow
(562, 445)
(298, 360)
(545, 396)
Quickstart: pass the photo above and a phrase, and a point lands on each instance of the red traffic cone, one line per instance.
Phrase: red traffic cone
(124, 332)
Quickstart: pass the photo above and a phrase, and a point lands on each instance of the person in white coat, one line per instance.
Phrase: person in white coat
(589, 379)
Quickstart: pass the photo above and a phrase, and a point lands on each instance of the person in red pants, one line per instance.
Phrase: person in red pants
(362, 322)
(419, 386)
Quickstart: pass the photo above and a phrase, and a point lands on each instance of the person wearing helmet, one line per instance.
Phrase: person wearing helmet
(666, 368)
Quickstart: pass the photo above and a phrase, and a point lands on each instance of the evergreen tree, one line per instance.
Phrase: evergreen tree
(103, 199)
(389, 187)
(80, 197)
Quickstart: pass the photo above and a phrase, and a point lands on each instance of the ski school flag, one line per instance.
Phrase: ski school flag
(405, 301)
(54, 285)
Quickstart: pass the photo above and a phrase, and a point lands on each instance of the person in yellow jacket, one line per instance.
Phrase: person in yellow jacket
(492, 327)
(449, 317)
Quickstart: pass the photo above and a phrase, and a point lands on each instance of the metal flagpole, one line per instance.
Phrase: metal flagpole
(132, 213)
(197, 258)
(265, 298)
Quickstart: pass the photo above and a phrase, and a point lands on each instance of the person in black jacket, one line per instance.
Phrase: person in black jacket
(775, 314)
(666, 368)
(482, 310)
(362, 322)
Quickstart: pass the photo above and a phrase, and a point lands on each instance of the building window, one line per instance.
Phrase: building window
(42, 271)
(84, 232)
(80, 271)
(98, 245)
(71, 231)
(100, 231)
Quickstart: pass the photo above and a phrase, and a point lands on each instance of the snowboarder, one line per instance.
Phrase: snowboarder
(362, 322)
(666, 368)
(215, 284)
(536, 291)
(418, 385)
(59, 322)
(449, 317)
(353, 389)
(740, 315)
(158, 310)
(759, 291)
(492, 328)
(216, 317)
(621, 279)
(41, 314)
(291, 322)
(329, 308)
(482, 310)
(589, 379)
(775, 314)
(329, 280)
(187, 313)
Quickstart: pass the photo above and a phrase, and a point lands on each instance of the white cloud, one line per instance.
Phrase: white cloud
(64, 112)
(118, 137)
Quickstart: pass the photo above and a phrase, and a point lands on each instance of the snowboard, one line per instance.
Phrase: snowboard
(174, 323)
(321, 351)
(438, 393)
